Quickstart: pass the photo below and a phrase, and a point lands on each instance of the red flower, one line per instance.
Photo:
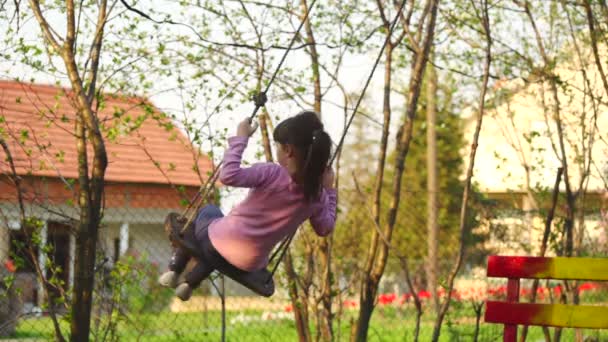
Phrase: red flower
(384, 299)
(350, 304)
(557, 290)
(587, 287)
(288, 308)
(10, 266)
(424, 294)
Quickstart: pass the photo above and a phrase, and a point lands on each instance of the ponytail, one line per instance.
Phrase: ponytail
(316, 163)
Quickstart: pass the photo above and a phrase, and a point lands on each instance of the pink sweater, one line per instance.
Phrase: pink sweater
(274, 208)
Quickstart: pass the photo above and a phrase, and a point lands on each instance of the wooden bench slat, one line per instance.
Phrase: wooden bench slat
(548, 268)
(556, 315)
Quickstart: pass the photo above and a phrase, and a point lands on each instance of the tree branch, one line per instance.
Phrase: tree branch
(44, 25)
(95, 52)
(485, 22)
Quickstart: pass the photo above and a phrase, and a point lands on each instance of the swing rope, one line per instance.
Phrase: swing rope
(260, 101)
(284, 246)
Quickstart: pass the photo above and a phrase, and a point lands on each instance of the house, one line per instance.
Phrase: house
(517, 159)
(153, 169)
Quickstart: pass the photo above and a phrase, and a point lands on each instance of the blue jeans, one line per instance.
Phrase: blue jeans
(204, 217)
(208, 259)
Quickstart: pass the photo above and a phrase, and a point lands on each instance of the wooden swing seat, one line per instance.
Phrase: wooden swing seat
(260, 282)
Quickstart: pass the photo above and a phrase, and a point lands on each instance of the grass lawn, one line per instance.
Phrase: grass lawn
(388, 324)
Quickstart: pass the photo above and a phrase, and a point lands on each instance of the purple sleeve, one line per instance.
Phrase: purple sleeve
(232, 174)
(323, 220)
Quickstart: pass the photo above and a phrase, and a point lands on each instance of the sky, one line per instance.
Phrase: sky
(354, 72)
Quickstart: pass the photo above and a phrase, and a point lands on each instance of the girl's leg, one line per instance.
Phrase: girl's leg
(179, 260)
(203, 268)
(200, 272)
(178, 263)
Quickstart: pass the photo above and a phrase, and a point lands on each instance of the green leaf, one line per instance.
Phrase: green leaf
(24, 135)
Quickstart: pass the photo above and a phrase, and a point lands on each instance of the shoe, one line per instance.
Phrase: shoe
(168, 279)
(183, 291)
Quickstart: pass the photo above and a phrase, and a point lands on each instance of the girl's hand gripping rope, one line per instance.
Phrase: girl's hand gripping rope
(246, 128)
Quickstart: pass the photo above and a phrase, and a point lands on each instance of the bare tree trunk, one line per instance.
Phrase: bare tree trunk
(300, 309)
(561, 153)
(477, 308)
(324, 326)
(404, 264)
(79, 326)
(378, 262)
(90, 202)
(326, 319)
(264, 119)
(485, 20)
(413, 292)
(367, 294)
(91, 186)
(593, 34)
(570, 197)
(314, 56)
(543, 245)
(368, 291)
(432, 186)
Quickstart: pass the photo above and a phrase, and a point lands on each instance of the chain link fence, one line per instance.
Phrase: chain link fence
(37, 274)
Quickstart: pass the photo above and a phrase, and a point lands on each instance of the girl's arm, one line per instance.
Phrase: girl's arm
(323, 220)
(232, 174)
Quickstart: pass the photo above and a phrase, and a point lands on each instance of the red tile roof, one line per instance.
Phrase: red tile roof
(37, 121)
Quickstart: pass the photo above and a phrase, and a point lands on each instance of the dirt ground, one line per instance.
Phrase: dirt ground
(200, 303)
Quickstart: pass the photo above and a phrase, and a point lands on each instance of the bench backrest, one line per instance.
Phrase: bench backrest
(512, 313)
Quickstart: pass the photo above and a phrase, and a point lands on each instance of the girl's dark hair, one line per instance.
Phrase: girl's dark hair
(312, 147)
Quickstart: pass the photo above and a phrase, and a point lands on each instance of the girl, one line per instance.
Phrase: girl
(282, 197)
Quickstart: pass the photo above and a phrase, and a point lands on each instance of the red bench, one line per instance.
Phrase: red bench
(511, 313)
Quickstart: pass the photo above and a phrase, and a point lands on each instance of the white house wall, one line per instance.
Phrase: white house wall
(502, 147)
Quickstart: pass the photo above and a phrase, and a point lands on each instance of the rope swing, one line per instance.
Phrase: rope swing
(260, 282)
